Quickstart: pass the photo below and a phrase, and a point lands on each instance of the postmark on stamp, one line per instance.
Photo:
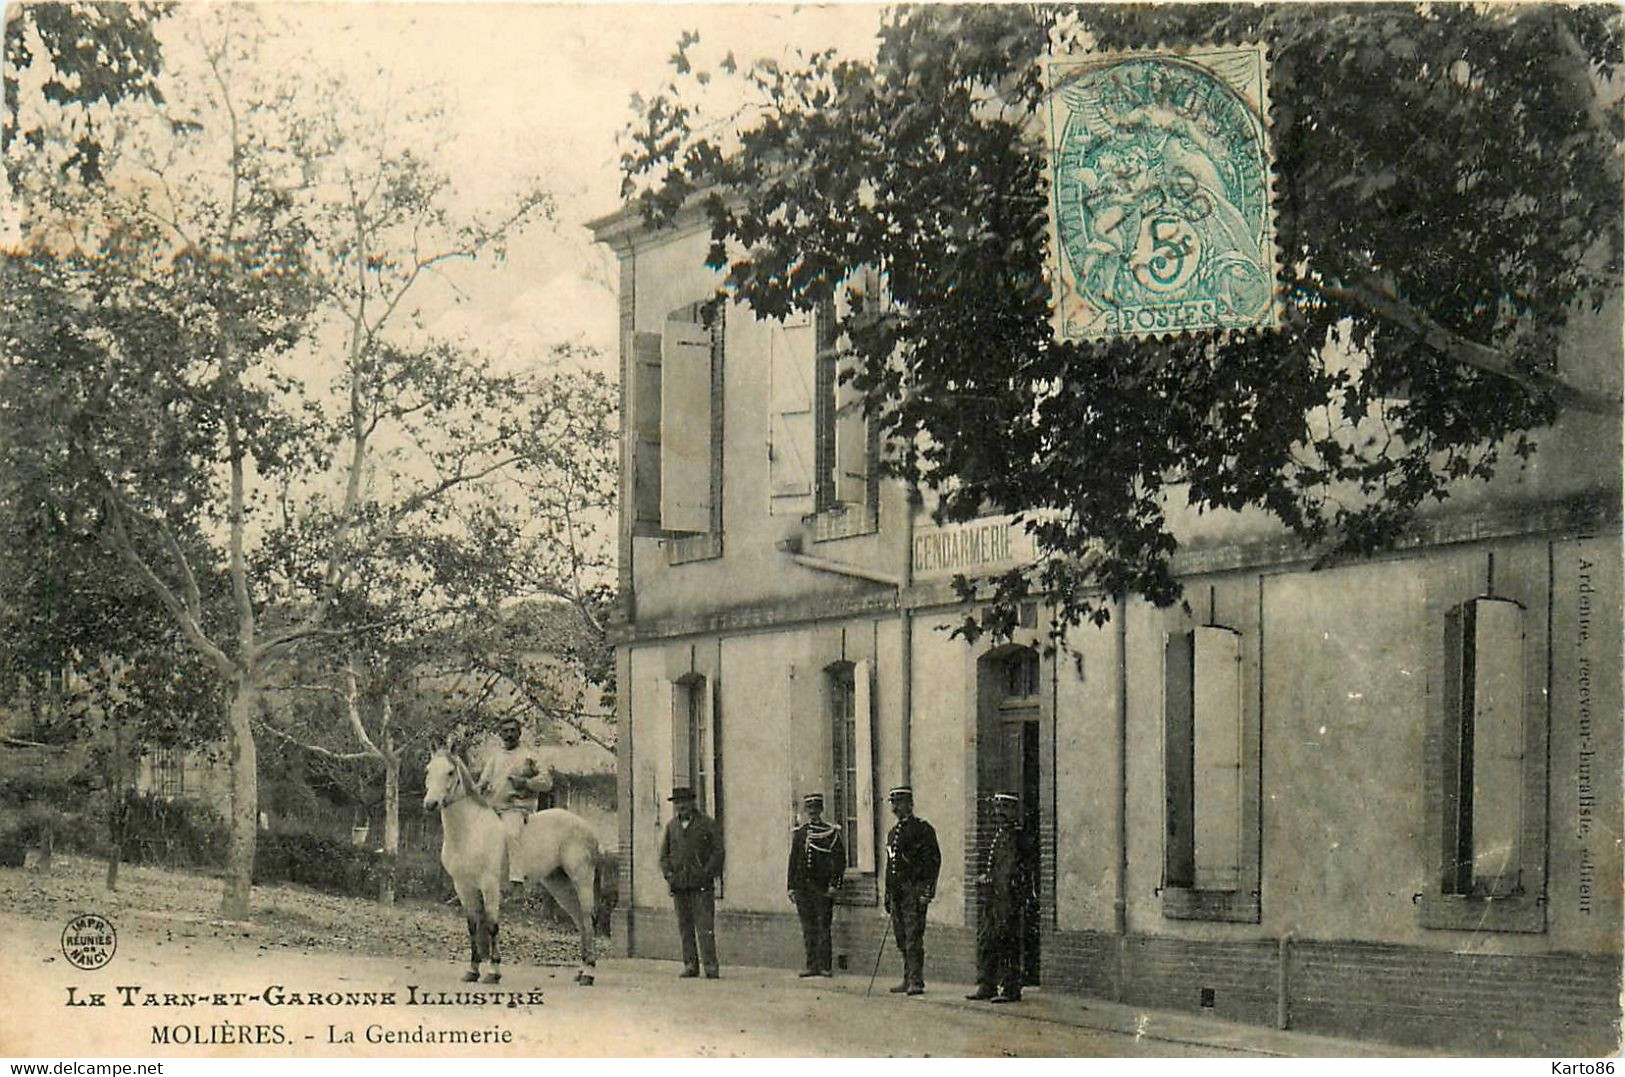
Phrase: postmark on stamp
(1160, 193)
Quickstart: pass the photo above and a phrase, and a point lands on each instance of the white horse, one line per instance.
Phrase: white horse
(558, 849)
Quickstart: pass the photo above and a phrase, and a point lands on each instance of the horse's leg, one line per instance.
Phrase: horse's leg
(493, 914)
(565, 884)
(586, 884)
(495, 975)
(469, 898)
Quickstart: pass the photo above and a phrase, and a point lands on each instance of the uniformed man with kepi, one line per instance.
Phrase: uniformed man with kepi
(817, 869)
(912, 863)
(1006, 895)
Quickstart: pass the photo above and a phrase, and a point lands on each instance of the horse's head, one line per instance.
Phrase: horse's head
(442, 781)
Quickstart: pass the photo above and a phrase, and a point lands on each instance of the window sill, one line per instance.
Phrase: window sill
(1525, 913)
(1230, 906)
(705, 546)
(844, 521)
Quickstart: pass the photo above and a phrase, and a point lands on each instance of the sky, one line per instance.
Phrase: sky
(542, 90)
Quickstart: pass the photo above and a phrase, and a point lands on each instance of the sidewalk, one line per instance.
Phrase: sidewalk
(1049, 1006)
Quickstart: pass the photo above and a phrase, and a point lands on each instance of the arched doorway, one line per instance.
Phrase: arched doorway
(1010, 760)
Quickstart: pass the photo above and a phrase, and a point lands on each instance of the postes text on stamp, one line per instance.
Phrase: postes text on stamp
(1160, 213)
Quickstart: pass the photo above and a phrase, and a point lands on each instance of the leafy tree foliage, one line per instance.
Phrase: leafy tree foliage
(83, 57)
(224, 340)
(1447, 189)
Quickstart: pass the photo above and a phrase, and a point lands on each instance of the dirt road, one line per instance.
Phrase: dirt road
(239, 997)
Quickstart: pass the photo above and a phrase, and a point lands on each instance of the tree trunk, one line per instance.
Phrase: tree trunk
(116, 813)
(47, 844)
(392, 824)
(244, 818)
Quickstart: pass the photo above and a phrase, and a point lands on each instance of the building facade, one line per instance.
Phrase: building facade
(1379, 799)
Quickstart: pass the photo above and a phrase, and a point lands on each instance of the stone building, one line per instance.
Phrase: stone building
(1381, 798)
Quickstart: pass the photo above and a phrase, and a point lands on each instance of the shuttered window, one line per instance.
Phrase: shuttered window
(675, 419)
(1206, 764)
(645, 416)
(852, 795)
(692, 754)
(1216, 771)
(685, 427)
(1484, 746)
(693, 746)
(792, 347)
(844, 445)
(1178, 759)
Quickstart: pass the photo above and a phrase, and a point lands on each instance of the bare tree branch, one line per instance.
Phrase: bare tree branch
(286, 738)
(1379, 297)
(188, 625)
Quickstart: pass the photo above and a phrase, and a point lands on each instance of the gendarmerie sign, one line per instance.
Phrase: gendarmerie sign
(978, 547)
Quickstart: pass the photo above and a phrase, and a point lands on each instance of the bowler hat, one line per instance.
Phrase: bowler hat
(681, 792)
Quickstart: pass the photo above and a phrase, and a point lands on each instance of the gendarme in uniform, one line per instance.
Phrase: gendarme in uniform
(912, 863)
(1007, 897)
(816, 870)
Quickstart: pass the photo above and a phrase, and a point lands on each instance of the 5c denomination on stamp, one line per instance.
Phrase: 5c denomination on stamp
(1160, 187)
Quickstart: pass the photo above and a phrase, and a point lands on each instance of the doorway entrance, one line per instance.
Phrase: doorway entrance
(1011, 720)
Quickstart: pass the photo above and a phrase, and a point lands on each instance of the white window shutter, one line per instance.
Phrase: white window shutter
(851, 444)
(1216, 781)
(1497, 743)
(661, 742)
(685, 427)
(863, 720)
(791, 345)
(705, 742)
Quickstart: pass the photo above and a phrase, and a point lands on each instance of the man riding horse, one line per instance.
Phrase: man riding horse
(511, 779)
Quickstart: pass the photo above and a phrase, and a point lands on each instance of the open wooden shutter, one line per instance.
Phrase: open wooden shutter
(1178, 667)
(791, 345)
(685, 427)
(1216, 755)
(1497, 745)
(667, 697)
(863, 722)
(705, 742)
(851, 443)
(645, 415)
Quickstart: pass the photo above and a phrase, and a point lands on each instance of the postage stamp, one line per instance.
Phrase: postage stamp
(1160, 219)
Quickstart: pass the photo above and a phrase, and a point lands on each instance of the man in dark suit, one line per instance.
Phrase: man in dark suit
(691, 859)
(912, 863)
(817, 869)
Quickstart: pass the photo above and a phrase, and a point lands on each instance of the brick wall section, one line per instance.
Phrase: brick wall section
(1546, 1005)
(1170, 973)
(1082, 961)
(773, 940)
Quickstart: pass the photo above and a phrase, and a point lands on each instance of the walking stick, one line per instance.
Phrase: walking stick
(884, 932)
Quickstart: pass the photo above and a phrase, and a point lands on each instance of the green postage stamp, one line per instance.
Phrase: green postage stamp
(1160, 187)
